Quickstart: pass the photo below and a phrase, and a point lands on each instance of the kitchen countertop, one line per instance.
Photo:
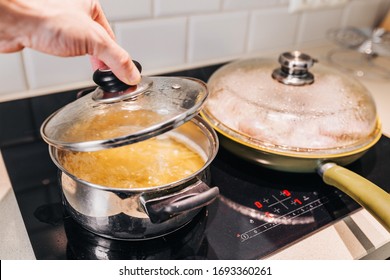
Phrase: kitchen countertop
(358, 236)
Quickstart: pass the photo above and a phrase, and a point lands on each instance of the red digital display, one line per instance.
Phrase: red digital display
(258, 204)
(298, 201)
(286, 193)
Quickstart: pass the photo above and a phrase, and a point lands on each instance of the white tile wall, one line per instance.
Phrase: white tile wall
(272, 28)
(305, 5)
(177, 34)
(180, 7)
(44, 70)
(126, 9)
(155, 43)
(250, 4)
(361, 13)
(12, 77)
(217, 36)
(314, 25)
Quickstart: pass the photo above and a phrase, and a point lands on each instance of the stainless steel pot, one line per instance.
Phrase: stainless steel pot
(170, 105)
(82, 244)
(142, 213)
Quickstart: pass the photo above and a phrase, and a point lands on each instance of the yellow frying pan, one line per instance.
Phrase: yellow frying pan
(290, 119)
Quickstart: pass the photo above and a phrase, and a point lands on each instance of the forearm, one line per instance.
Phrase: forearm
(64, 28)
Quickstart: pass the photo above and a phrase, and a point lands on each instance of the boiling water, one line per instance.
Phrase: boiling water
(154, 162)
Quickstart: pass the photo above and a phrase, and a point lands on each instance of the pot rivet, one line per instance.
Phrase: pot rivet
(176, 86)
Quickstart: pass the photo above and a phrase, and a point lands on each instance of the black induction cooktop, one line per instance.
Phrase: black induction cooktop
(258, 212)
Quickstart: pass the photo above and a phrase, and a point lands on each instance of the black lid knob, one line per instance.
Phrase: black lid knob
(106, 79)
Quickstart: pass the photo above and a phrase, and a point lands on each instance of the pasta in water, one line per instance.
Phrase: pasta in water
(154, 162)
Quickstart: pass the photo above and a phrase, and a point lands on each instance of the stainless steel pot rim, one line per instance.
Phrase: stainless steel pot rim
(296, 152)
(198, 120)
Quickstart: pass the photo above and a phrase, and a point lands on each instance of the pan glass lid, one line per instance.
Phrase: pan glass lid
(98, 120)
(326, 112)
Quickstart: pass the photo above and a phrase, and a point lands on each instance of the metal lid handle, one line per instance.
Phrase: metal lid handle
(294, 69)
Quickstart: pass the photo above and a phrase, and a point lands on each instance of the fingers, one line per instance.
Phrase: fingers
(119, 61)
(97, 64)
(9, 47)
(111, 54)
(99, 17)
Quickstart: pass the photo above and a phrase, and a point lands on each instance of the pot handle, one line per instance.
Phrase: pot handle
(374, 199)
(163, 208)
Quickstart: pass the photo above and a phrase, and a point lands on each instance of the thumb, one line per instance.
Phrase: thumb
(120, 63)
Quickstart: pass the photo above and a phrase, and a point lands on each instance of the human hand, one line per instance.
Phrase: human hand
(64, 28)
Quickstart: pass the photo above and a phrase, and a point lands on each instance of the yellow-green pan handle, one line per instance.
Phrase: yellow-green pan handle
(374, 199)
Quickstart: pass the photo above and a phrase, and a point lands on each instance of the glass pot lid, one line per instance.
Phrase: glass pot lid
(286, 108)
(116, 114)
